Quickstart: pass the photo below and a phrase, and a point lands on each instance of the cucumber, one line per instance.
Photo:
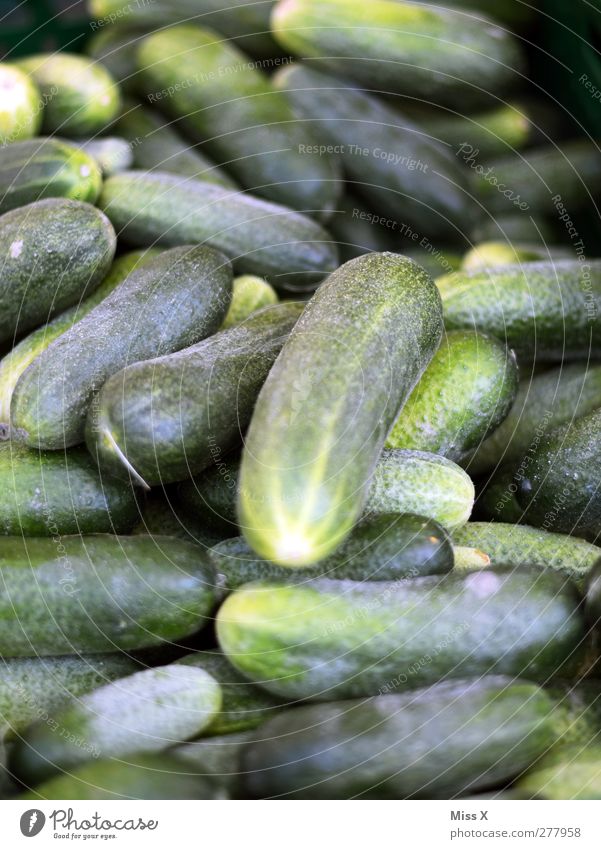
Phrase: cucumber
(80, 96)
(13, 364)
(488, 254)
(593, 598)
(520, 545)
(514, 227)
(560, 486)
(170, 302)
(464, 394)
(210, 498)
(35, 688)
(79, 245)
(570, 773)
(261, 238)
(436, 743)
(358, 231)
(217, 759)
(387, 547)
(548, 310)
(328, 639)
(144, 712)
(497, 499)
(323, 414)
(166, 418)
(20, 107)
(511, 12)
(439, 55)
(578, 711)
(467, 558)
(246, 124)
(391, 161)
(111, 153)
(161, 515)
(53, 494)
(249, 294)
(115, 49)
(100, 593)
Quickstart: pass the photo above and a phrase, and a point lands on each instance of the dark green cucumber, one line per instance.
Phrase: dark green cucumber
(434, 54)
(210, 497)
(35, 688)
(358, 231)
(324, 412)
(54, 494)
(20, 112)
(593, 598)
(547, 310)
(80, 96)
(260, 237)
(115, 49)
(162, 515)
(391, 161)
(436, 743)
(79, 245)
(46, 168)
(171, 416)
(464, 394)
(328, 639)
(250, 294)
(497, 500)
(100, 593)
(246, 124)
(111, 153)
(217, 759)
(168, 303)
(567, 773)
(577, 716)
(514, 227)
(144, 712)
(560, 485)
(488, 254)
(387, 547)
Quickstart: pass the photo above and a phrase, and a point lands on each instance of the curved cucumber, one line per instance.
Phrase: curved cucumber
(170, 417)
(111, 153)
(436, 743)
(249, 294)
(464, 394)
(20, 107)
(567, 773)
(260, 237)
(168, 303)
(488, 254)
(329, 639)
(388, 547)
(551, 310)
(100, 593)
(244, 121)
(79, 245)
(323, 414)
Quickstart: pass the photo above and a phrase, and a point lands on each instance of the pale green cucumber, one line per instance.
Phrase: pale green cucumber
(20, 106)
(565, 774)
(487, 254)
(250, 294)
(112, 154)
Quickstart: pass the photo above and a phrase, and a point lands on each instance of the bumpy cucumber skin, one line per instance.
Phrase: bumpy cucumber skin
(464, 394)
(546, 310)
(20, 111)
(50, 494)
(249, 295)
(324, 412)
(425, 184)
(101, 593)
(567, 773)
(173, 415)
(169, 303)
(520, 545)
(35, 688)
(560, 487)
(436, 743)
(79, 245)
(244, 121)
(433, 54)
(81, 97)
(328, 639)
(144, 712)
(111, 153)
(24, 353)
(261, 238)
(387, 547)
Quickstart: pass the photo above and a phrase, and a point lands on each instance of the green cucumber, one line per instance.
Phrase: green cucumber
(144, 712)
(111, 153)
(20, 107)
(100, 593)
(514, 227)
(250, 293)
(35, 688)
(436, 743)
(439, 55)
(464, 394)
(497, 499)
(80, 96)
(246, 124)
(115, 49)
(578, 711)
(161, 515)
(210, 498)
(390, 160)
(548, 310)
(79, 245)
(358, 231)
(54, 494)
(520, 545)
(13, 364)
(323, 414)
(512, 12)
(593, 598)
(387, 547)
(168, 303)
(569, 773)
(488, 254)
(217, 759)
(170, 417)
(261, 238)
(560, 486)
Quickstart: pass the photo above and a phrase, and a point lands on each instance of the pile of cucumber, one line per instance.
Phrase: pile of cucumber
(300, 410)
